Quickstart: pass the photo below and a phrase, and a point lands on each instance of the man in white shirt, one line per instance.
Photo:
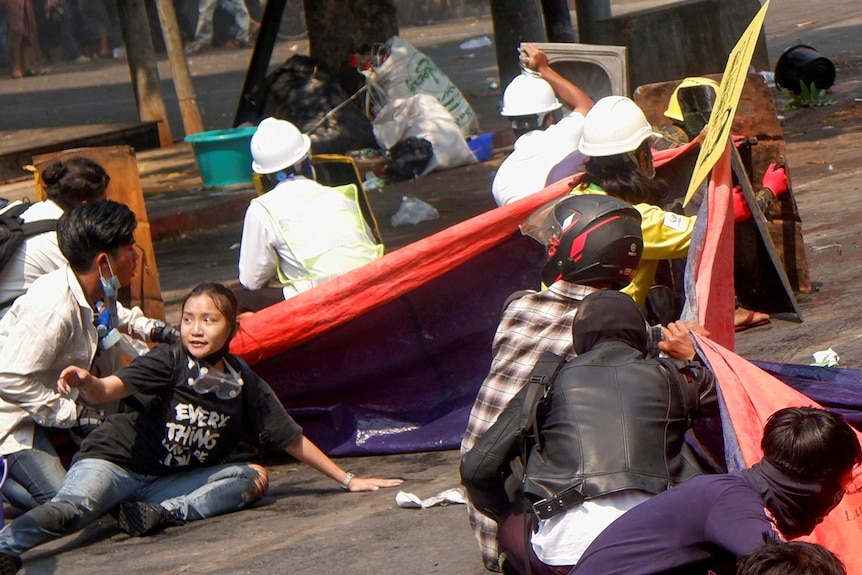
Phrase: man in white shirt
(300, 233)
(547, 147)
(68, 183)
(59, 322)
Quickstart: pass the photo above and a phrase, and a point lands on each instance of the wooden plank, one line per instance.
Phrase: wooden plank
(125, 187)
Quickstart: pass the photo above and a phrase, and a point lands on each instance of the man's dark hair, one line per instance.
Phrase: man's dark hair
(619, 176)
(90, 229)
(793, 558)
(810, 442)
(73, 181)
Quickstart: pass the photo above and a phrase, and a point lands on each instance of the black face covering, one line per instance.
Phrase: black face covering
(609, 315)
(797, 503)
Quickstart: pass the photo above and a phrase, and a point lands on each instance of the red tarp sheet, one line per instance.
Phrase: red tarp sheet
(749, 396)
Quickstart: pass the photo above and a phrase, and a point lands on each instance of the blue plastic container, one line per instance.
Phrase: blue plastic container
(482, 146)
(223, 156)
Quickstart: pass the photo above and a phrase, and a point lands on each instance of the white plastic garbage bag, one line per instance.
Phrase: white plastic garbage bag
(407, 71)
(422, 116)
(412, 211)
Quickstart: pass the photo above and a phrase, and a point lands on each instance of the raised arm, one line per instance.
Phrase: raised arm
(307, 452)
(568, 92)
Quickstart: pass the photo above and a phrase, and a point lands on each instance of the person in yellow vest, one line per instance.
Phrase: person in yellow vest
(300, 233)
(617, 139)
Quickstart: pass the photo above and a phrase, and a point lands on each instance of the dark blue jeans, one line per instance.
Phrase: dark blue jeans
(35, 475)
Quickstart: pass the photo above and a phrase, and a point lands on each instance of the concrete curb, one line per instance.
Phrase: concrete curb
(176, 214)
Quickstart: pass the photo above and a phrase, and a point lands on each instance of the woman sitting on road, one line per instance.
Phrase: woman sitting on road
(162, 460)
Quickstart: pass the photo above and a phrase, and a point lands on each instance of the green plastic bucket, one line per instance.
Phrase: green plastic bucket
(223, 156)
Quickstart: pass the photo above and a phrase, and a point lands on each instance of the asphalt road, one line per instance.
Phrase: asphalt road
(306, 524)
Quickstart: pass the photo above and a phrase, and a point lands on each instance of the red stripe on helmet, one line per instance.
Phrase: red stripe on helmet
(579, 242)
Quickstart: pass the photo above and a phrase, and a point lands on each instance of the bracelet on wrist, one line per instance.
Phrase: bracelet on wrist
(345, 484)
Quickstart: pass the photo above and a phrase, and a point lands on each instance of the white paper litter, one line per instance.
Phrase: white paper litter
(826, 358)
(410, 501)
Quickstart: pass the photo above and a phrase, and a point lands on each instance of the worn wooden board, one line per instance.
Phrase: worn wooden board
(125, 187)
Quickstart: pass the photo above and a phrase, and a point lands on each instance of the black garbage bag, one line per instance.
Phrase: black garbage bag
(410, 157)
(302, 92)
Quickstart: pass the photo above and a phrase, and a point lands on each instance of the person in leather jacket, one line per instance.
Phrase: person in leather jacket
(611, 434)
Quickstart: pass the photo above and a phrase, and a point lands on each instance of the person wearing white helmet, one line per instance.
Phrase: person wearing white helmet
(299, 233)
(617, 138)
(547, 146)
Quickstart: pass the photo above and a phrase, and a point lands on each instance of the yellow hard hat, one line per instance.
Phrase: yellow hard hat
(674, 111)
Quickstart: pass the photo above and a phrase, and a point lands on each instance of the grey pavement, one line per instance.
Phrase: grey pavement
(306, 524)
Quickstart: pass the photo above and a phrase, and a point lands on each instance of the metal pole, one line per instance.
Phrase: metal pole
(247, 109)
(142, 66)
(515, 21)
(189, 110)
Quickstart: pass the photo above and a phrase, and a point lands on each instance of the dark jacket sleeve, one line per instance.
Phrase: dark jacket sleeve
(486, 467)
(697, 386)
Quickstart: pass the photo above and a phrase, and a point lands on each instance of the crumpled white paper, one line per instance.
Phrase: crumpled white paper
(410, 501)
(826, 358)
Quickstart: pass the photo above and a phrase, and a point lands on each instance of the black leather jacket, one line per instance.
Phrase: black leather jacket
(616, 421)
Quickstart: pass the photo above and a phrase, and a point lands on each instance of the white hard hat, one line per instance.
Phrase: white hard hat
(614, 125)
(276, 145)
(528, 94)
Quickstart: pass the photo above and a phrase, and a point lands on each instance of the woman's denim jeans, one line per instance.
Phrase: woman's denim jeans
(94, 486)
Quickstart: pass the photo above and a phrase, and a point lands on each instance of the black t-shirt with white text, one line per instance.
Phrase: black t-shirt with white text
(169, 427)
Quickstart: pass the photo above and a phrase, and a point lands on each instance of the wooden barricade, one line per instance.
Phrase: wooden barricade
(125, 187)
(758, 284)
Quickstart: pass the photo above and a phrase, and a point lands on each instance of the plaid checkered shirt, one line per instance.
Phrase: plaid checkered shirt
(530, 325)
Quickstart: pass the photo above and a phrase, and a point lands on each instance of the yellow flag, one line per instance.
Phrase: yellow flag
(721, 118)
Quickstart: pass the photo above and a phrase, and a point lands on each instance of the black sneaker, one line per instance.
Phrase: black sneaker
(9, 564)
(138, 519)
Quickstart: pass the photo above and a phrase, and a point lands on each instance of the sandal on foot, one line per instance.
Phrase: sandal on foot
(744, 319)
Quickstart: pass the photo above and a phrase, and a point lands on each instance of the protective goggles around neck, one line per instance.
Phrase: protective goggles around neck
(208, 380)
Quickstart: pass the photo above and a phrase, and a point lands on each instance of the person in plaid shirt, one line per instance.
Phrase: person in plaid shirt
(593, 242)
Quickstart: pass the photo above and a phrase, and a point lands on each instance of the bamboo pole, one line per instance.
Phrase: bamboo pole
(189, 110)
(142, 66)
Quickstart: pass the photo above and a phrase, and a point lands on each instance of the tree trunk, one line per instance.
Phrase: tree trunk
(558, 21)
(338, 27)
(589, 11)
(515, 21)
(142, 66)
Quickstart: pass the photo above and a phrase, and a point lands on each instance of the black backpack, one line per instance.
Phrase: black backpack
(13, 231)
(492, 471)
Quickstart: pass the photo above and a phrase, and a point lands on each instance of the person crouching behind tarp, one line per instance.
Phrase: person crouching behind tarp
(591, 242)
(617, 138)
(546, 149)
(607, 434)
(299, 232)
(707, 523)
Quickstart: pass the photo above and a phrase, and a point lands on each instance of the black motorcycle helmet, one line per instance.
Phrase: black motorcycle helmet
(593, 238)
